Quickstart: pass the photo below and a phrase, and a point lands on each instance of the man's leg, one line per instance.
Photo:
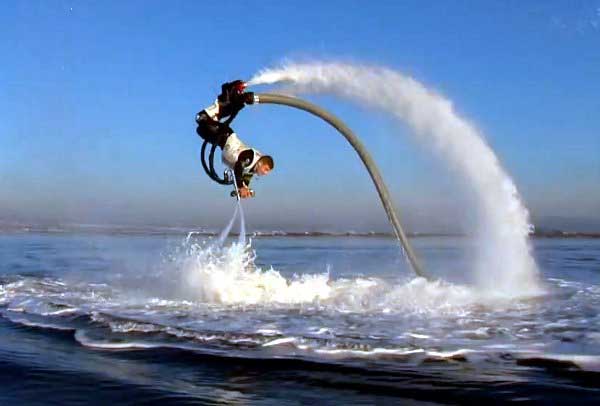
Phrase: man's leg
(212, 130)
(208, 129)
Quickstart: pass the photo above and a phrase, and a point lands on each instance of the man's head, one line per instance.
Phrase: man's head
(264, 165)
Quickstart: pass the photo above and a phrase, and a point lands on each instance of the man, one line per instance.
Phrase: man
(244, 161)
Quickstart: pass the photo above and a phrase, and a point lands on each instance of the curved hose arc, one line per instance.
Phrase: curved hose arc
(384, 195)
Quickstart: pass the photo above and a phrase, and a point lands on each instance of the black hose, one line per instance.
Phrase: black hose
(203, 159)
(211, 172)
(211, 163)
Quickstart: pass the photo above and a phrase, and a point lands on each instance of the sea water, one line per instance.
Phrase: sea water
(288, 320)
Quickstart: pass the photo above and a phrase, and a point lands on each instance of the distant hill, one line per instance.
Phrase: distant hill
(545, 226)
(569, 224)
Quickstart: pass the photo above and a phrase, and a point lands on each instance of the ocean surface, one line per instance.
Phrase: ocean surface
(88, 318)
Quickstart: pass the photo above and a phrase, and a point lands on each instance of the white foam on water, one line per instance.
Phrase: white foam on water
(228, 276)
(504, 259)
(268, 332)
(61, 312)
(372, 353)
(450, 354)
(420, 336)
(280, 341)
(227, 279)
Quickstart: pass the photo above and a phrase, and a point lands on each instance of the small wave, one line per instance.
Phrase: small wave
(82, 338)
(419, 336)
(268, 332)
(280, 341)
(367, 353)
(457, 355)
(38, 324)
(589, 363)
(122, 325)
(60, 312)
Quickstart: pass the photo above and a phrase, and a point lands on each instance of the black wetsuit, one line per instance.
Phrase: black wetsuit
(244, 159)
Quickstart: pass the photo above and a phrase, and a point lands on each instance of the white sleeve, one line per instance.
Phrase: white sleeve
(213, 110)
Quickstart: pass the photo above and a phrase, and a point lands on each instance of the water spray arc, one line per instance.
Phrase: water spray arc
(384, 195)
(502, 256)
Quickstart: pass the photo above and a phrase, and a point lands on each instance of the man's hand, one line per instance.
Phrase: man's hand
(245, 192)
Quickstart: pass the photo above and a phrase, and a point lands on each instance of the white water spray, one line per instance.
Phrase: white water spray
(239, 211)
(504, 259)
(225, 232)
(242, 236)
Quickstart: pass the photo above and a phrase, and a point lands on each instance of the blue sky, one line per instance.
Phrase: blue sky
(97, 102)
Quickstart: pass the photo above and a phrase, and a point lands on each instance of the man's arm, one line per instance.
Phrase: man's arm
(213, 111)
(244, 159)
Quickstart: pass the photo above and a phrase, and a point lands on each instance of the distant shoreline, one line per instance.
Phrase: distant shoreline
(132, 230)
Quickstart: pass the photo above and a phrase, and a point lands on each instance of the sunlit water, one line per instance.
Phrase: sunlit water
(135, 319)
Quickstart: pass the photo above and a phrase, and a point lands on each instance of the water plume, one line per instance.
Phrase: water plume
(504, 261)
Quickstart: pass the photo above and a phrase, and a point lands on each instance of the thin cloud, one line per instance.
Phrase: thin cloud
(579, 21)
